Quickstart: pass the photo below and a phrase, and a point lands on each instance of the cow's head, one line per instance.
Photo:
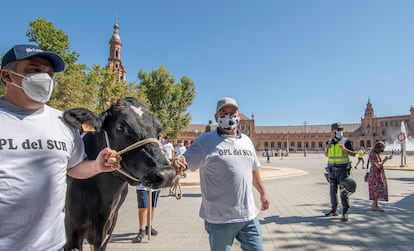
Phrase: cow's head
(125, 123)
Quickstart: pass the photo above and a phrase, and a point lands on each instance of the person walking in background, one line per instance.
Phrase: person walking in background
(179, 148)
(228, 171)
(281, 153)
(33, 173)
(377, 182)
(361, 154)
(143, 205)
(168, 148)
(338, 149)
(267, 151)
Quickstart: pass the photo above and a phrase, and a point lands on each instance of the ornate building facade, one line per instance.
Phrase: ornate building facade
(302, 138)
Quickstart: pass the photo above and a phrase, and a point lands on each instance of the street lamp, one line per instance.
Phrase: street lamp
(287, 143)
(304, 143)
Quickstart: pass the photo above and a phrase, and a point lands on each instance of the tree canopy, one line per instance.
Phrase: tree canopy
(167, 99)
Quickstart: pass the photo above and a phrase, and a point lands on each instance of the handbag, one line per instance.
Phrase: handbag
(367, 173)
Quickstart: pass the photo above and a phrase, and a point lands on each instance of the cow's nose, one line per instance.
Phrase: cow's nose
(163, 178)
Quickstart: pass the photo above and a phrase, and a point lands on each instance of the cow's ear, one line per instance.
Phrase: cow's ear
(88, 127)
(83, 119)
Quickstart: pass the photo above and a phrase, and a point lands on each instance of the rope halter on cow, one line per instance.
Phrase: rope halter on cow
(179, 165)
(130, 148)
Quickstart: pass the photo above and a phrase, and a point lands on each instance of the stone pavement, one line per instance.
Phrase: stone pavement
(299, 195)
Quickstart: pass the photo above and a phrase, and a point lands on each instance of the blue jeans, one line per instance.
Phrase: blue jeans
(221, 236)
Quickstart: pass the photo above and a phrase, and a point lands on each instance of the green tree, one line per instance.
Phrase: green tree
(71, 89)
(105, 87)
(47, 37)
(168, 100)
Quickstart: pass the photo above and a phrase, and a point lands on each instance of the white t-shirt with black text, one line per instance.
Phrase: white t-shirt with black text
(36, 148)
(226, 164)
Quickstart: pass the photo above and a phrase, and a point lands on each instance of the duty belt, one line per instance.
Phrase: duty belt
(334, 168)
(338, 168)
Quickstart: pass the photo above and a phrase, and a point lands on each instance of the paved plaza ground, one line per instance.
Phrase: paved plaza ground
(299, 195)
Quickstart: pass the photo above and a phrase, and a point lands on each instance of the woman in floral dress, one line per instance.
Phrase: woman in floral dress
(377, 182)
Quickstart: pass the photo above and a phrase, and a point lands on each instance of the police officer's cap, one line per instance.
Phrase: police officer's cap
(336, 126)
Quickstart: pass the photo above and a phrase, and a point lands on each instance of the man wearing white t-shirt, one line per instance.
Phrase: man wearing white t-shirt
(37, 150)
(168, 148)
(228, 168)
(180, 148)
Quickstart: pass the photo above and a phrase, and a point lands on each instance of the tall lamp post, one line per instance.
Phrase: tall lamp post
(287, 144)
(304, 143)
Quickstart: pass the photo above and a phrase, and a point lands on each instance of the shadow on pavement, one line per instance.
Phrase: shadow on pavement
(329, 233)
(189, 195)
(124, 237)
(410, 180)
(406, 203)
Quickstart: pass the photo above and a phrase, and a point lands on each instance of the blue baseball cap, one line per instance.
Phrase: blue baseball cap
(23, 51)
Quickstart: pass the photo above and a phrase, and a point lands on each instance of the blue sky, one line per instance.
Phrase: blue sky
(286, 61)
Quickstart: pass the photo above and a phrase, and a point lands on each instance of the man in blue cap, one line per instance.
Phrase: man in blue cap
(37, 150)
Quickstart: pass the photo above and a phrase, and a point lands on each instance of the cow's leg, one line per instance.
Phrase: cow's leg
(110, 225)
(73, 241)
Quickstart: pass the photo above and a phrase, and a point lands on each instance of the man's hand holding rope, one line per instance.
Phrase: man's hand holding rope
(108, 160)
(179, 164)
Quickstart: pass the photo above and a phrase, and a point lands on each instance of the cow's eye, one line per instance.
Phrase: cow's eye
(120, 127)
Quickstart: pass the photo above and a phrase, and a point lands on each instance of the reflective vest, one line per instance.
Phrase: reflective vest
(360, 154)
(337, 156)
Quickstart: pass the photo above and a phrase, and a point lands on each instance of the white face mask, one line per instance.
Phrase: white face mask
(37, 86)
(339, 134)
(228, 122)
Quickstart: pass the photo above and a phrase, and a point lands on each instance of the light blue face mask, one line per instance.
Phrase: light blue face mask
(339, 134)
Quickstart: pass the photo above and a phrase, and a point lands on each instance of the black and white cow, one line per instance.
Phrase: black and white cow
(92, 204)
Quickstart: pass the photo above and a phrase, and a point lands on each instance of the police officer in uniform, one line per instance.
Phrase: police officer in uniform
(338, 149)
